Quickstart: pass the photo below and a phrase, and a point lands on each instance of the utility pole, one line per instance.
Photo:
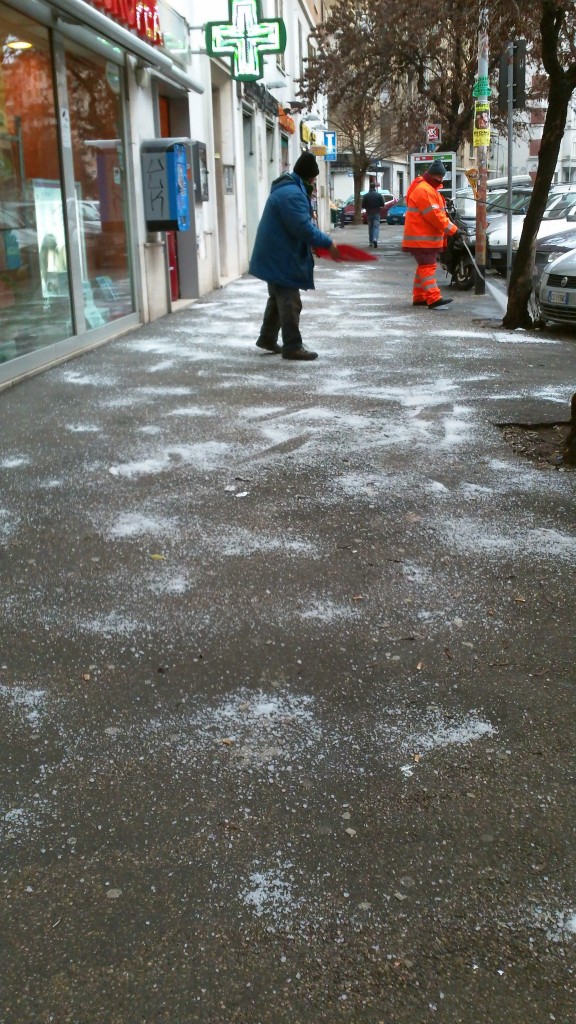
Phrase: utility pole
(510, 112)
(482, 93)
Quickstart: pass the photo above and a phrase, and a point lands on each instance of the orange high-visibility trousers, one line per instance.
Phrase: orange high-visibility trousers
(424, 288)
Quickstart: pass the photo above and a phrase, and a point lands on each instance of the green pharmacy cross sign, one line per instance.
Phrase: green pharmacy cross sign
(245, 38)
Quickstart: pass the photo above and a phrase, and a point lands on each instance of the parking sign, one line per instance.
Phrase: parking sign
(330, 143)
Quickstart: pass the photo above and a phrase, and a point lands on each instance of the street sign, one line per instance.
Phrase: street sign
(330, 143)
(433, 133)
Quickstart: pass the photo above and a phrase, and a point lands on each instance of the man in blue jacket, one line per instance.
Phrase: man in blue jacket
(282, 256)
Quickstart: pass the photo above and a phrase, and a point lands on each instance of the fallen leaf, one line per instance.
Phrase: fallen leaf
(158, 558)
(357, 597)
(227, 742)
(420, 665)
(520, 600)
(448, 652)
(85, 676)
(350, 831)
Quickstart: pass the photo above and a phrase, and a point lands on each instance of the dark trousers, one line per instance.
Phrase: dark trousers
(282, 313)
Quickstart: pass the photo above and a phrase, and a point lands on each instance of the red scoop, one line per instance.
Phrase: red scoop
(350, 253)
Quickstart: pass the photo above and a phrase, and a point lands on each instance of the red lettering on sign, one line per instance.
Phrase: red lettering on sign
(134, 14)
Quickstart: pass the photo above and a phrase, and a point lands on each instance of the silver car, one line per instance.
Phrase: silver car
(558, 289)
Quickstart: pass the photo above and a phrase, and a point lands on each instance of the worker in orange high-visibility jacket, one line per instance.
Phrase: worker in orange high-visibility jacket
(427, 228)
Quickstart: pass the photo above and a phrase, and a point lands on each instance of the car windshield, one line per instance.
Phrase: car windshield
(558, 207)
(518, 203)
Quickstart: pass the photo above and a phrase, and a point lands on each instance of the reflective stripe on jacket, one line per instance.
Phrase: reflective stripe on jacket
(427, 225)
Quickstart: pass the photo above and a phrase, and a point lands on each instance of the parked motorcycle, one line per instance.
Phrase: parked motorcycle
(455, 258)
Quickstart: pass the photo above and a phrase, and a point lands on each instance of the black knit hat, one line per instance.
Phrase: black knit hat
(306, 166)
(437, 168)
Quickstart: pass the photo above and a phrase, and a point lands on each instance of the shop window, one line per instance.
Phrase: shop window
(95, 90)
(35, 308)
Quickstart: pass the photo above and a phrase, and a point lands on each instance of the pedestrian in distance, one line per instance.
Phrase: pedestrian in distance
(373, 202)
(427, 228)
(282, 256)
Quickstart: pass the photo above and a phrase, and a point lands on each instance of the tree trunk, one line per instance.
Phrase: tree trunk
(570, 450)
(520, 287)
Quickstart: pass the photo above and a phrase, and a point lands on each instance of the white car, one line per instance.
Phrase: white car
(559, 215)
(558, 289)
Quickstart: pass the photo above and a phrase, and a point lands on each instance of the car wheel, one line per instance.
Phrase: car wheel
(463, 276)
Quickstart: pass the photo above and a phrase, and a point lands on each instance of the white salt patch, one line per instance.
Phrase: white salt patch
(113, 624)
(31, 702)
(363, 484)
(204, 456)
(470, 536)
(176, 584)
(150, 429)
(261, 411)
(519, 338)
(84, 379)
(475, 490)
(435, 487)
(454, 333)
(243, 542)
(560, 394)
(194, 410)
(83, 428)
(445, 734)
(270, 894)
(163, 391)
(8, 523)
(560, 925)
(134, 524)
(155, 346)
(327, 611)
(166, 364)
(12, 461)
(267, 730)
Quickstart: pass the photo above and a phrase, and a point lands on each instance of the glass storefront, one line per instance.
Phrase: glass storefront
(64, 253)
(95, 98)
(35, 306)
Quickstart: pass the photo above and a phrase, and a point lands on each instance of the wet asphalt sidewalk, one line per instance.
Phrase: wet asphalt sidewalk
(287, 675)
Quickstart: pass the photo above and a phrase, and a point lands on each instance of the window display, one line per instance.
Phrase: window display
(34, 288)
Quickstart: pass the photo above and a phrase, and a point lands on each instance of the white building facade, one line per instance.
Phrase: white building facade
(133, 167)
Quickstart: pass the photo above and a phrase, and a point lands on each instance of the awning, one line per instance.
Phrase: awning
(81, 14)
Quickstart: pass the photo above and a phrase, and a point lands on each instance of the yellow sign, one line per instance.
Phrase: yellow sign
(472, 176)
(481, 134)
(318, 150)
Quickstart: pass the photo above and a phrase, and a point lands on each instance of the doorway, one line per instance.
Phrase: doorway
(174, 122)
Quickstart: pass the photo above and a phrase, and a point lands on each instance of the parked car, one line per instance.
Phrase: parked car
(496, 204)
(397, 212)
(549, 248)
(389, 201)
(558, 289)
(559, 215)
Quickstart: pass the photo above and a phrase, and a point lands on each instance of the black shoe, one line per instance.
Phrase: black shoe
(299, 353)
(439, 302)
(375, 244)
(268, 346)
(419, 302)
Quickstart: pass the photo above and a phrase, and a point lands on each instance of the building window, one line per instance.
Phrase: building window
(95, 97)
(35, 305)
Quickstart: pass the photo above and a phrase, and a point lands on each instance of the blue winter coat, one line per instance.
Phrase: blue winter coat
(281, 253)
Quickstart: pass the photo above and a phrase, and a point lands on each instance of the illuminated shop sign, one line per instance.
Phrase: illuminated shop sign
(245, 37)
(142, 18)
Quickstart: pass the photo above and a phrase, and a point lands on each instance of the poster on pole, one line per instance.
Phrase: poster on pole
(481, 134)
(420, 162)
